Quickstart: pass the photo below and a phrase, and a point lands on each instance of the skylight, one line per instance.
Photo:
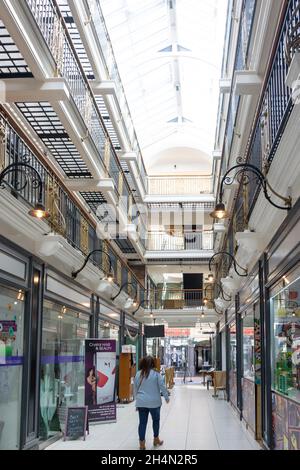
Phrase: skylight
(169, 56)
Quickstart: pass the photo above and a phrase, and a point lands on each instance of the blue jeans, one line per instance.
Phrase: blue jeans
(143, 415)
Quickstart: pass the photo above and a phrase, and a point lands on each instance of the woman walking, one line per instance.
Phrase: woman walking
(148, 386)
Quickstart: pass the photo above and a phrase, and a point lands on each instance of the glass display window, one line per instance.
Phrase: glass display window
(150, 347)
(62, 363)
(285, 336)
(107, 330)
(233, 364)
(132, 337)
(232, 332)
(248, 345)
(12, 305)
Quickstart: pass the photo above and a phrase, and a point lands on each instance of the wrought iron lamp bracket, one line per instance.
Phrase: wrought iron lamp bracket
(122, 287)
(75, 273)
(32, 174)
(240, 176)
(235, 263)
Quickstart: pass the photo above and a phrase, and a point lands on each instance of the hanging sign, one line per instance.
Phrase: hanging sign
(100, 379)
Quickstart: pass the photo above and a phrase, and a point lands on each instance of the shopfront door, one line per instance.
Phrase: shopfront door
(12, 311)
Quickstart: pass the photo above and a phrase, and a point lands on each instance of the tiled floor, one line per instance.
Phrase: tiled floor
(193, 420)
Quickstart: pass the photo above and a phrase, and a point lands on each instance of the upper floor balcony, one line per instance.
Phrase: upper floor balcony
(181, 188)
(180, 241)
(178, 305)
(57, 100)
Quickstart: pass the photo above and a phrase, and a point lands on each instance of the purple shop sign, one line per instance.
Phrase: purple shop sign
(11, 361)
(61, 359)
(100, 379)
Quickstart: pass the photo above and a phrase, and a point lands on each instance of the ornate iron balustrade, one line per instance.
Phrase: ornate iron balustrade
(180, 241)
(240, 63)
(292, 38)
(276, 106)
(52, 26)
(66, 218)
(179, 185)
(176, 299)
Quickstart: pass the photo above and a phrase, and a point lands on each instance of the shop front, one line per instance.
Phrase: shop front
(250, 374)
(21, 278)
(283, 332)
(65, 326)
(12, 305)
(285, 361)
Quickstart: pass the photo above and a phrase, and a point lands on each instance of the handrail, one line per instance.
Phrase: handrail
(187, 184)
(174, 299)
(178, 241)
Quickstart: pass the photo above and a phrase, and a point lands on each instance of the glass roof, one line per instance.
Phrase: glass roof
(169, 55)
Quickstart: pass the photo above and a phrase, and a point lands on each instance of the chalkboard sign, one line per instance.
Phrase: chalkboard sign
(76, 423)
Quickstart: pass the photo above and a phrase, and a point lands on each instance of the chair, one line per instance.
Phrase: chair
(219, 380)
(209, 377)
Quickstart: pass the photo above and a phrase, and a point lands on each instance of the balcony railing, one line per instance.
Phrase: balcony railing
(241, 63)
(179, 185)
(66, 218)
(55, 32)
(177, 299)
(187, 241)
(276, 105)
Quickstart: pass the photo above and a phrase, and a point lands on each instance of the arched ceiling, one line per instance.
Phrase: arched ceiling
(169, 56)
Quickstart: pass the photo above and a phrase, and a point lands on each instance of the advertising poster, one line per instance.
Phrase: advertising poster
(100, 379)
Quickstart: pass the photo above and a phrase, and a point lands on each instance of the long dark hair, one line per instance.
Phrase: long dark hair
(146, 365)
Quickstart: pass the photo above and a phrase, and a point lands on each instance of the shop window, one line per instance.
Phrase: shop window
(62, 364)
(108, 330)
(233, 364)
(248, 368)
(248, 346)
(285, 333)
(11, 366)
(132, 338)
